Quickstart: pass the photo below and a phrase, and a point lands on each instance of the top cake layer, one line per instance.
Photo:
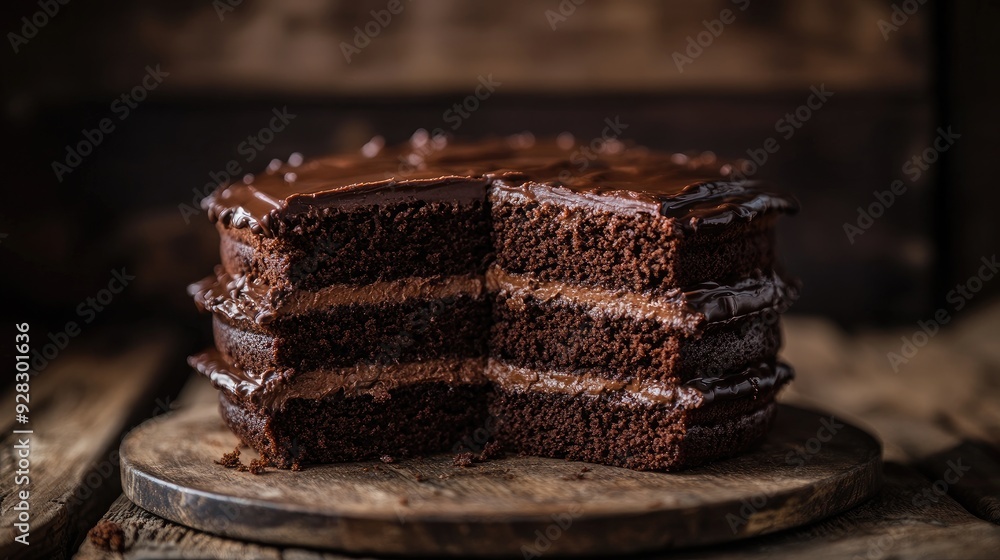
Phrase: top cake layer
(694, 191)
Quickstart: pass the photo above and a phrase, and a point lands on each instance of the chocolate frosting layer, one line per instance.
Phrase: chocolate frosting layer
(696, 191)
(242, 299)
(755, 380)
(686, 309)
(273, 389)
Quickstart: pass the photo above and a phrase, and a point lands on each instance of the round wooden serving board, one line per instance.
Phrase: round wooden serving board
(811, 466)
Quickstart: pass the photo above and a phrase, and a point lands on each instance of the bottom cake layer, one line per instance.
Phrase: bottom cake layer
(641, 425)
(629, 435)
(414, 420)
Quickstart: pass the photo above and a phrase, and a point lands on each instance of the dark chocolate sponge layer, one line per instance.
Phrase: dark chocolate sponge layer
(347, 334)
(642, 252)
(363, 245)
(414, 420)
(646, 438)
(558, 335)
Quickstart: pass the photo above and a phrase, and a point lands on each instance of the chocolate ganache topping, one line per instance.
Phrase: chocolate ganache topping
(697, 191)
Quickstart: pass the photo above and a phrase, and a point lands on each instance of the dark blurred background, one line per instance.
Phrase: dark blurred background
(200, 77)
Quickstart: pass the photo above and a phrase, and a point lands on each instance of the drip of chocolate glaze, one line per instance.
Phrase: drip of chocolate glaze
(238, 299)
(754, 380)
(721, 302)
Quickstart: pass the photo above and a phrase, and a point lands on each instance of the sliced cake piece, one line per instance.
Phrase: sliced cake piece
(350, 313)
(635, 312)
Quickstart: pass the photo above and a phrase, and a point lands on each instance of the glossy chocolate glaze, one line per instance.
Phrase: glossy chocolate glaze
(243, 299)
(697, 191)
(272, 389)
(754, 380)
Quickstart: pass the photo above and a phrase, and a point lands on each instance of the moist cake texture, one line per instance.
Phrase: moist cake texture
(621, 311)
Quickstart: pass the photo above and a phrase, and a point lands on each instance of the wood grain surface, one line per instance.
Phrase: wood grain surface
(811, 466)
(79, 409)
(888, 526)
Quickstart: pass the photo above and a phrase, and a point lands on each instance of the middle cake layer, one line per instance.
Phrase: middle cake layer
(380, 323)
(707, 330)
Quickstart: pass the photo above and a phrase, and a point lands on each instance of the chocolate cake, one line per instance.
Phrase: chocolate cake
(622, 310)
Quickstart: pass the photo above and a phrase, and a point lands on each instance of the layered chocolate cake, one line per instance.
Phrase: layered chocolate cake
(623, 310)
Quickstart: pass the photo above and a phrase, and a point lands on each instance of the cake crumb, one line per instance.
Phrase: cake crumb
(493, 450)
(419, 477)
(108, 535)
(296, 466)
(464, 459)
(231, 460)
(585, 469)
(387, 459)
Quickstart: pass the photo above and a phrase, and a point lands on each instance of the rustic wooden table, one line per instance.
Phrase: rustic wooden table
(938, 415)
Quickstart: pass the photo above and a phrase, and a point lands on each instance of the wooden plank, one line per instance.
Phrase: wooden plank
(967, 472)
(148, 537)
(79, 408)
(889, 526)
(896, 524)
(937, 411)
